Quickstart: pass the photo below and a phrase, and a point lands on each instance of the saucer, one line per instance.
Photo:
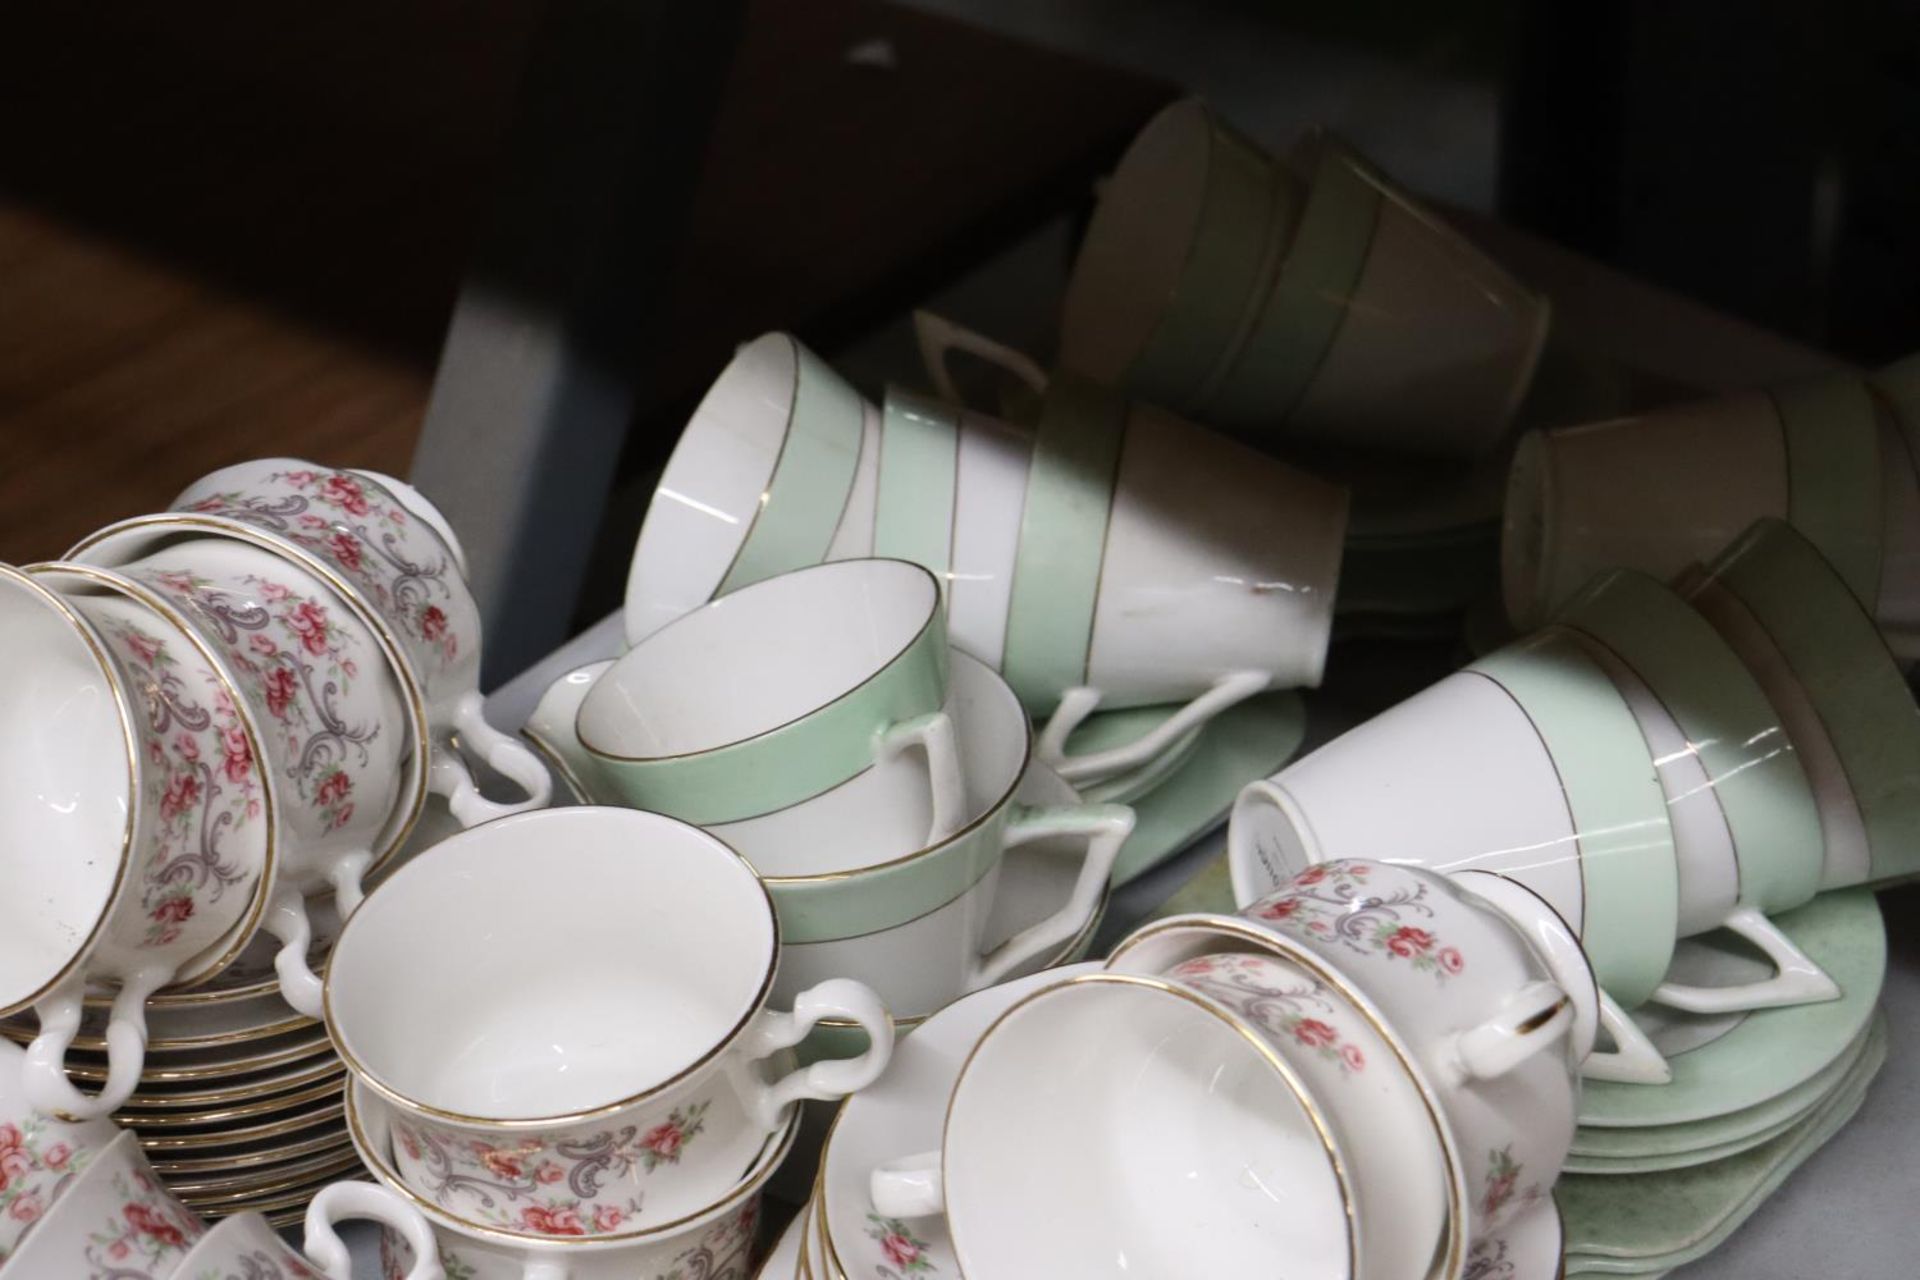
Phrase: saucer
(1862, 1064)
(1674, 1139)
(1529, 1248)
(1727, 1063)
(903, 1113)
(1106, 729)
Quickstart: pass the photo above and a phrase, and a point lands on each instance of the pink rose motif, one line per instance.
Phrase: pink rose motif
(341, 817)
(502, 1164)
(901, 1251)
(560, 1220)
(1315, 1034)
(333, 788)
(239, 754)
(56, 1156)
(313, 522)
(549, 1173)
(1312, 875)
(409, 1144)
(262, 645)
(607, 1218)
(300, 479)
(144, 645)
(14, 1158)
(27, 1208)
(397, 516)
(187, 746)
(275, 592)
(346, 549)
(433, 623)
(119, 1250)
(1407, 941)
(1279, 909)
(344, 492)
(1196, 968)
(149, 1222)
(1450, 960)
(209, 504)
(183, 792)
(1499, 1191)
(309, 622)
(665, 1140)
(1351, 1055)
(281, 689)
(174, 911)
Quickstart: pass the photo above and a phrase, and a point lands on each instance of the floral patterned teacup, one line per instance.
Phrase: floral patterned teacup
(246, 1247)
(1122, 1116)
(395, 558)
(116, 1222)
(40, 1155)
(134, 810)
(1399, 1174)
(566, 1011)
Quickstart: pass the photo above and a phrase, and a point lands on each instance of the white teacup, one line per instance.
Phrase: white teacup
(1154, 561)
(140, 836)
(773, 472)
(1116, 1124)
(619, 1066)
(246, 1247)
(43, 1154)
(781, 692)
(115, 1222)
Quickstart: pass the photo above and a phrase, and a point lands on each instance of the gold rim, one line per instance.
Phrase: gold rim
(328, 1115)
(364, 612)
(243, 1197)
(753, 1010)
(94, 1073)
(1457, 1198)
(136, 809)
(550, 755)
(241, 932)
(294, 1194)
(331, 1068)
(263, 1181)
(174, 1044)
(143, 1121)
(280, 1153)
(772, 1154)
(766, 486)
(935, 614)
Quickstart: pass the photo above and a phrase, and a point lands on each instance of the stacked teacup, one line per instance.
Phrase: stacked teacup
(1370, 1074)
(562, 1050)
(216, 716)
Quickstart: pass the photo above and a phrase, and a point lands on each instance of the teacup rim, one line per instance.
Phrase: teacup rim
(935, 616)
(136, 807)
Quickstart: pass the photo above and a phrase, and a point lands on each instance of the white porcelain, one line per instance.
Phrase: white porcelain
(1115, 1125)
(1399, 1172)
(397, 564)
(721, 475)
(246, 1247)
(420, 505)
(853, 536)
(115, 1222)
(712, 1243)
(1216, 580)
(41, 1155)
(136, 812)
(614, 1067)
(990, 489)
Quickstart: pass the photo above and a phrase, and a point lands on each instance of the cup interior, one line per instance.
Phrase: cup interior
(66, 777)
(758, 658)
(1137, 244)
(714, 483)
(1122, 1111)
(551, 964)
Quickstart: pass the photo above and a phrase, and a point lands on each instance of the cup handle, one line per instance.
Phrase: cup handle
(1797, 980)
(1633, 1059)
(327, 1251)
(448, 776)
(831, 1078)
(1106, 827)
(44, 1074)
(1077, 704)
(933, 734)
(939, 338)
(1536, 1016)
(909, 1188)
(504, 753)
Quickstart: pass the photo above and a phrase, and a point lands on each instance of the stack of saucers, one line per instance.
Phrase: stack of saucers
(1661, 1174)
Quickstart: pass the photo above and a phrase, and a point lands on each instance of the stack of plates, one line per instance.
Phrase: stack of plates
(1752, 1096)
(240, 1103)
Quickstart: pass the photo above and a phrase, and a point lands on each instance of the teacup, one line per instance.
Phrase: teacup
(1528, 762)
(1746, 829)
(712, 1241)
(1180, 255)
(1114, 1116)
(1367, 1092)
(397, 564)
(41, 1155)
(136, 814)
(246, 1247)
(622, 1060)
(115, 1221)
(1662, 490)
(1847, 710)
(1155, 562)
(780, 692)
(769, 470)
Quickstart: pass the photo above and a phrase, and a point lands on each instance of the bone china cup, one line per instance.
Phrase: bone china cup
(1368, 1094)
(115, 1221)
(567, 1011)
(1113, 1125)
(782, 691)
(771, 469)
(1155, 561)
(394, 558)
(134, 812)
(246, 1247)
(47, 1154)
